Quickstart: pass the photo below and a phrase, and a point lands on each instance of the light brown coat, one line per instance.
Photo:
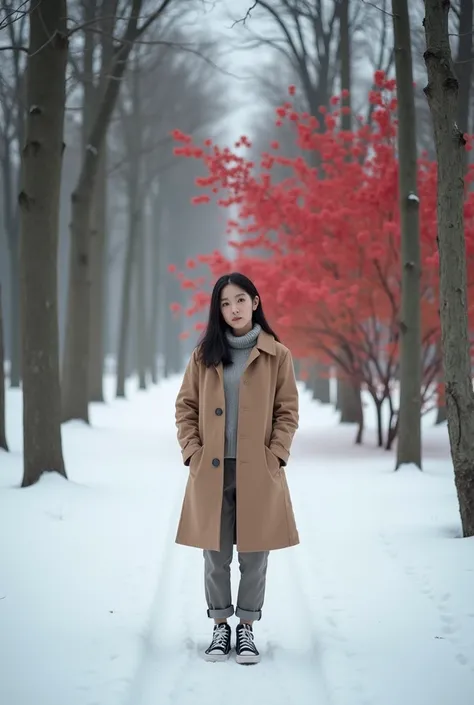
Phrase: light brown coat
(268, 419)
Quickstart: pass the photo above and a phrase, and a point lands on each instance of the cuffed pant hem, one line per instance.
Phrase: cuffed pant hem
(248, 615)
(221, 614)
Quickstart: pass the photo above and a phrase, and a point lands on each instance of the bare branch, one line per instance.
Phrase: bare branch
(13, 14)
(102, 19)
(248, 14)
(380, 9)
(14, 48)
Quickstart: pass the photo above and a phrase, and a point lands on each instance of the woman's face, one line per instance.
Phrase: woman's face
(237, 308)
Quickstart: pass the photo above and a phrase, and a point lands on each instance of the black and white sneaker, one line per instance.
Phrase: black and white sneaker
(246, 651)
(220, 645)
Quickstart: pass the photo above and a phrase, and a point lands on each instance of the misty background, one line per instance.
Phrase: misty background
(218, 69)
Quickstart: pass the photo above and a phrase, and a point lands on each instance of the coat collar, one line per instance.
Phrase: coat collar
(266, 343)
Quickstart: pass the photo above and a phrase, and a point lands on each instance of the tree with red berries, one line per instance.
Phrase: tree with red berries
(331, 279)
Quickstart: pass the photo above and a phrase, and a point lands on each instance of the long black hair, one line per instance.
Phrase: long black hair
(213, 346)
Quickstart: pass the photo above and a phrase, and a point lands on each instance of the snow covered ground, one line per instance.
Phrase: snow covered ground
(98, 606)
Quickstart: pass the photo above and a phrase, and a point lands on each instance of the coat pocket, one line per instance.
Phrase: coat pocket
(195, 462)
(272, 462)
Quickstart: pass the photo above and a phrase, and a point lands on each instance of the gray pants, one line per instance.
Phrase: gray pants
(253, 566)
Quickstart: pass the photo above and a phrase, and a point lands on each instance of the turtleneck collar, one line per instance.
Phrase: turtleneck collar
(244, 341)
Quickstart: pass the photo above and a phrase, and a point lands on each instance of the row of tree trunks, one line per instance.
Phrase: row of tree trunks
(75, 387)
(348, 400)
(39, 217)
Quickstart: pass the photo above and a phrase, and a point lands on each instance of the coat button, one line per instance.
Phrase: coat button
(219, 412)
(216, 462)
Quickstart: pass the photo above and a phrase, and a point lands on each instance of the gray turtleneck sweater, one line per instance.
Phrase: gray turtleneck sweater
(240, 347)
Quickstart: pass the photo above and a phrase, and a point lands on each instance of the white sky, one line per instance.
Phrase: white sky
(215, 20)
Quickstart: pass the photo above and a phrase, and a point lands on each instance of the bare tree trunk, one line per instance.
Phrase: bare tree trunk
(172, 348)
(39, 212)
(3, 432)
(98, 265)
(442, 92)
(97, 286)
(141, 300)
(133, 132)
(131, 366)
(409, 419)
(360, 431)
(378, 410)
(165, 296)
(339, 391)
(73, 398)
(350, 405)
(349, 401)
(321, 384)
(348, 391)
(125, 309)
(441, 415)
(156, 297)
(345, 50)
(91, 97)
(20, 98)
(169, 326)
(76, 355)
(297, 368)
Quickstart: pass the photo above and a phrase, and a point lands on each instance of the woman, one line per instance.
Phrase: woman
(237, 413)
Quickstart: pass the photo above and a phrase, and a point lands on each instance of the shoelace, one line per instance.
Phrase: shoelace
(219, 638)
(246, 640)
